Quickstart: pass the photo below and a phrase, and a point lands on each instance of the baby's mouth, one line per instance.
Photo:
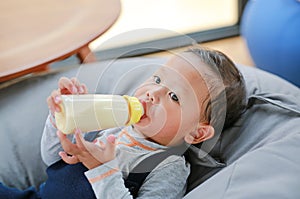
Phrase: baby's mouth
(143, 117)
(145, 109)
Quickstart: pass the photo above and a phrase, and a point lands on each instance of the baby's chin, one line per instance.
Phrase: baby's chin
(144, 125)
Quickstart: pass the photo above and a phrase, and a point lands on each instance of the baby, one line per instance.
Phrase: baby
(194, 95)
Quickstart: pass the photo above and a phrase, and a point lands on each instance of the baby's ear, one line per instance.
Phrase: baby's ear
(202, 133)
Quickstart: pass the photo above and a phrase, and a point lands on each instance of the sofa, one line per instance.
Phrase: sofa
(260, 151)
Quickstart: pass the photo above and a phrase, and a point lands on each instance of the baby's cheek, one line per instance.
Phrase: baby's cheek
(138, 92)
(159, 119)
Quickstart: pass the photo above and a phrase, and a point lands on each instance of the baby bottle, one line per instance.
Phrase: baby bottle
(96, 111)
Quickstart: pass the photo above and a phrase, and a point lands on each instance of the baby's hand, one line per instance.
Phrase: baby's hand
(90, 154)
(66, 86)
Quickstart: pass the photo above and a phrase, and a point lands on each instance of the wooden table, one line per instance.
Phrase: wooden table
(35, 33)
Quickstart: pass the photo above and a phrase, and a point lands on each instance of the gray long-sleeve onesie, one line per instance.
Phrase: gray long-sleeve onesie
(167, 180)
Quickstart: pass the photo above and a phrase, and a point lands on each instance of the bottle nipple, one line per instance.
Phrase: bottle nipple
(136, 109)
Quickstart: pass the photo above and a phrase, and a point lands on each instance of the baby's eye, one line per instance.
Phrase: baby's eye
(157, 79)
(173, 96)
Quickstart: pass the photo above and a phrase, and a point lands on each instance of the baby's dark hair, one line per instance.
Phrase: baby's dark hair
(226, 103)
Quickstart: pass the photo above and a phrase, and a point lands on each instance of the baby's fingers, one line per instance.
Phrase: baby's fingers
(53, 101)
(84, 89)
(67, 158)
(110, 148)
(67, 145)
(67, 86)
(80, 140)
(81, 88)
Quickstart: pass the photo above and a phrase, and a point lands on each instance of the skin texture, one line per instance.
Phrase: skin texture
(173, 98)
(173, 105)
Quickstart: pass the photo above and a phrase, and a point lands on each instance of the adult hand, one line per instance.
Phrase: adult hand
(90, 154)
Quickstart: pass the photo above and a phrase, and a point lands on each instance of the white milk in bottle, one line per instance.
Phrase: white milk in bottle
(96, 111)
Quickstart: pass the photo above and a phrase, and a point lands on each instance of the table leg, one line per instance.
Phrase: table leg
(86, 55)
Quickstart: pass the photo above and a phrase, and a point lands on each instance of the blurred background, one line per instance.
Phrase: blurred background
(167, 24)
(259, 33)
(181, 16)
(54, 34)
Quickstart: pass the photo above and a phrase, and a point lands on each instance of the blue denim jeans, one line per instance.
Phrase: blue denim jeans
(64, 181)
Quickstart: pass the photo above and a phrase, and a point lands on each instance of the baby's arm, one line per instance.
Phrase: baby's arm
(50, 144)
(166, 181)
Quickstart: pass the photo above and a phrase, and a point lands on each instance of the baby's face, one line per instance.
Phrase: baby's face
(172, 99)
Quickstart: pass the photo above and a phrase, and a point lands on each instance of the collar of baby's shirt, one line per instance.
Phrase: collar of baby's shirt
(129, 137)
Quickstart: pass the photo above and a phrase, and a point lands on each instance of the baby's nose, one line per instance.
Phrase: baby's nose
(155, 95)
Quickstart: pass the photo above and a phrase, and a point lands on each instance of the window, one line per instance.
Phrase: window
(168, 24)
